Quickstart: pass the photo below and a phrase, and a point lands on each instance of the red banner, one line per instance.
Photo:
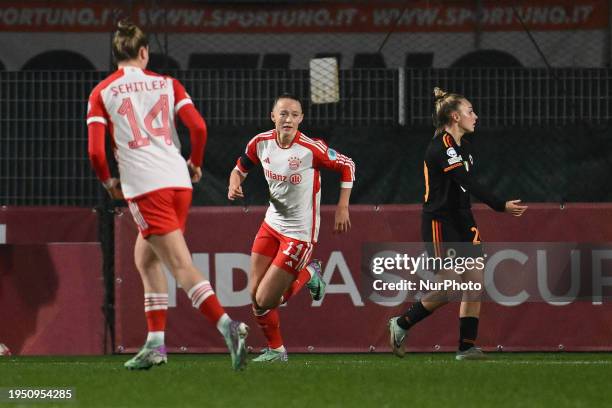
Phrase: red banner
(417, 16)
(38, 225)
(220, 240)
(50, 299)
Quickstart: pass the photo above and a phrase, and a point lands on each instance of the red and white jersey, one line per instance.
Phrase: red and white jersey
(294, 180)
(139, 108)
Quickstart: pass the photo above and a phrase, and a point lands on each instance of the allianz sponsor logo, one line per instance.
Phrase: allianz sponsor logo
(274, 176)
(293, 179)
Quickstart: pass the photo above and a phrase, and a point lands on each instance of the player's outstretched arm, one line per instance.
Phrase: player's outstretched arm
(468, 182)
(514, 207)
(342, 221)
(234, 189)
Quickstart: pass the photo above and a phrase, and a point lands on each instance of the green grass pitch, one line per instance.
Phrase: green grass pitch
(317, 380)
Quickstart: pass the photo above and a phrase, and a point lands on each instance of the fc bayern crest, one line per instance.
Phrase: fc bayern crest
(294, 163)
(295, 179)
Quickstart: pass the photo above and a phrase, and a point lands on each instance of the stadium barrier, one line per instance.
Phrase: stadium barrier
(51, 286)
(220, 239)
(50, 298)
(52, 290)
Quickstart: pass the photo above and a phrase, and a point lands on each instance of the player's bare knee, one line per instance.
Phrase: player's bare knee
(145, 267)
(258, 310)
(264, 301)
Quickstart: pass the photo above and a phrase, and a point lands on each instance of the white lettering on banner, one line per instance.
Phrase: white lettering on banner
(337, 261)
(489, 277)
(225, 264)
(2, 233)
(599, 281)
(542, 272)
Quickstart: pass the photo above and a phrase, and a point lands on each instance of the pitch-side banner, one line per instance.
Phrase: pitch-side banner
(38, 225)
(51, 297)
(350, 319)
(416, 16)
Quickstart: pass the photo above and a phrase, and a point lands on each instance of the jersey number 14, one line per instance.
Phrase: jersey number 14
(161, 106)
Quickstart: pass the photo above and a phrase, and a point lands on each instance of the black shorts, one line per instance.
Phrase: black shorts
(455, 234)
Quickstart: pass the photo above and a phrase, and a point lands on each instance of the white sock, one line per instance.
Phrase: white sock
(223, 323)
(280, 349)
(155, 338)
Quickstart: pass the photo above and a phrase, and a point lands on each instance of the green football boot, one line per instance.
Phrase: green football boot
(270, 355)
(147, 357)
(316, 285)
(235, 334)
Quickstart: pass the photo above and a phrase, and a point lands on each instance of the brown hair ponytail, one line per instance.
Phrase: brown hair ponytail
(127, 41)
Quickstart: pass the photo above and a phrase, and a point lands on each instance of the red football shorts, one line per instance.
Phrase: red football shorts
(160, 212)
(287, 253)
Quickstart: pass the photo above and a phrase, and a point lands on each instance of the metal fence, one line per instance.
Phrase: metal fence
(517, 97)
(43, 136)
(244, 97)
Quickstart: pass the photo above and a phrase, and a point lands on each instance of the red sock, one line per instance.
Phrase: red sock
(204, 299)
(156, 320)
(302, 279)
(156, 309)
(212, 309)
(270, 325)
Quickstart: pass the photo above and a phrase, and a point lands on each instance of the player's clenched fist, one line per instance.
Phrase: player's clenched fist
(235, 191)
(195, 172)
(113, 188)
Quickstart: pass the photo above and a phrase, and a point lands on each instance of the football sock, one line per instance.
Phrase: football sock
(302, 279)
(156, 309)
(468, 331)
(269, 322)
(204, 299)
(413, 315)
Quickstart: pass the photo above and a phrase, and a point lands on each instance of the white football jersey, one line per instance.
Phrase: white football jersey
(293, 176)
(139, 108)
